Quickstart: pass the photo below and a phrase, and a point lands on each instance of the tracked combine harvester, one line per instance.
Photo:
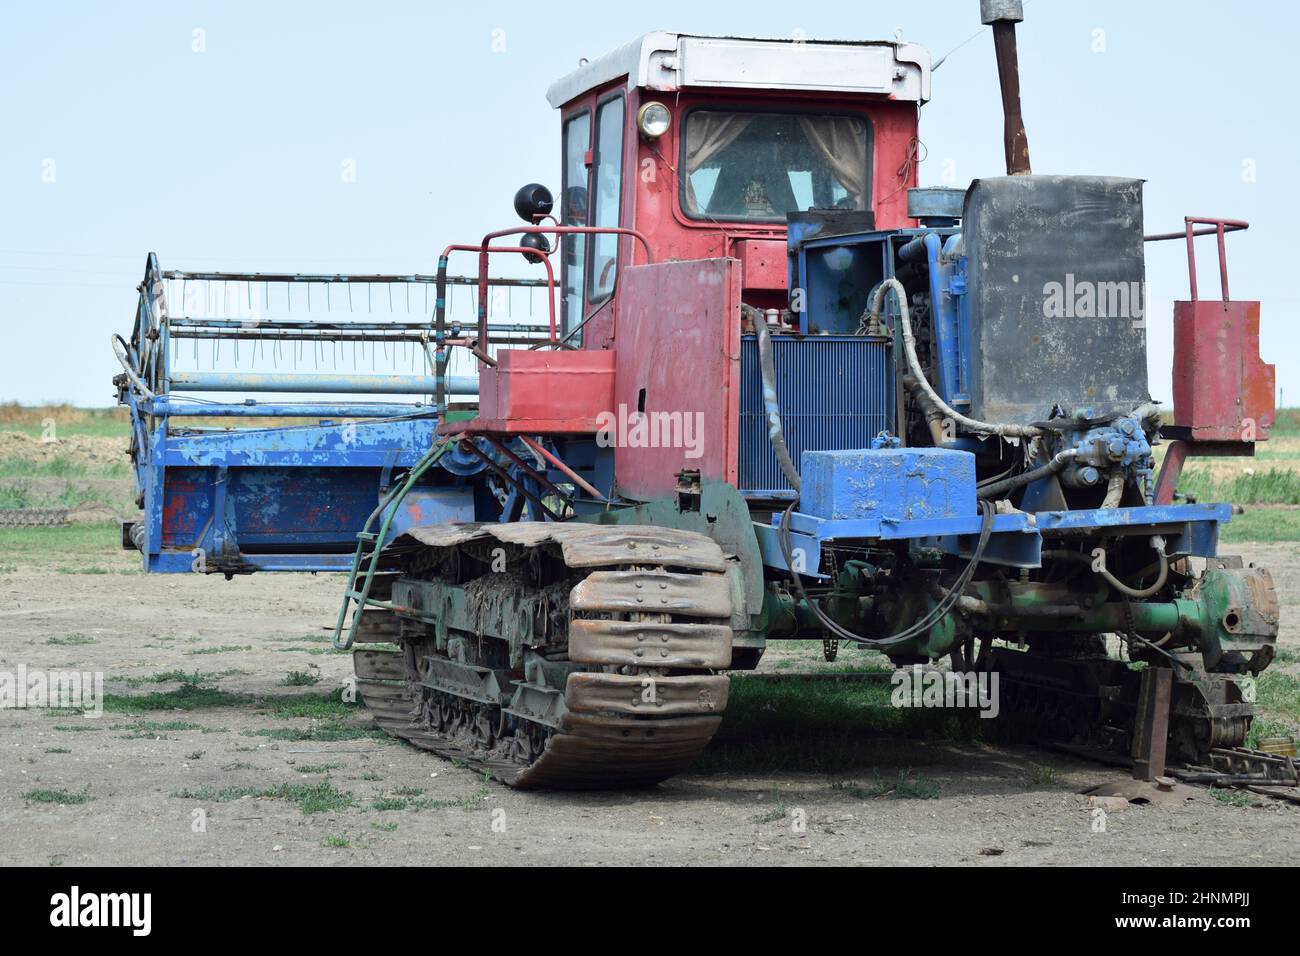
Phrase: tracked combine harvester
(781, 394)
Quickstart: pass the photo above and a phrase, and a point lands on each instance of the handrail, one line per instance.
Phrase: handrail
(1220, 228)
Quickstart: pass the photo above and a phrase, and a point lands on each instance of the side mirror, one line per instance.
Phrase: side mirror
(532, 202)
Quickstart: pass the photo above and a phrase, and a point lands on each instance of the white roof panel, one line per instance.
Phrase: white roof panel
(669, 61)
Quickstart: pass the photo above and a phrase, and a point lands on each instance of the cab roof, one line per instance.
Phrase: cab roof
(666, 62)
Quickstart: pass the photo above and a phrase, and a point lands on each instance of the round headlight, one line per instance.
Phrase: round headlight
(653, 120)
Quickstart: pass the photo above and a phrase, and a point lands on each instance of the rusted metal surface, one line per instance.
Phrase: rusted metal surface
(689, 410)
(622, 545)
(660, 591)
(538, 392)
(609, 727)
(379, 665)
(1151, 736)
(636, 695)
(643, 644)
(1015, 141)
(446, 535)
(1222, 389)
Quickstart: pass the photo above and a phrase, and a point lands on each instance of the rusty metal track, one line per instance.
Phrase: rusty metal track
(647, 624)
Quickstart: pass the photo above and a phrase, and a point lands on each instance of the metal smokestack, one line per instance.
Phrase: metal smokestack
(1003, 15)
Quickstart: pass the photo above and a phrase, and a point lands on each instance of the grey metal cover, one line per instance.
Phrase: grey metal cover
(1057, 295)
(666, 62)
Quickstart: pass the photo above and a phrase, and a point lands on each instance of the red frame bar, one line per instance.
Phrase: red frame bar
(1219, 228)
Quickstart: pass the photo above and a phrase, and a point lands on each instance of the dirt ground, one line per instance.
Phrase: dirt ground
(158, 781)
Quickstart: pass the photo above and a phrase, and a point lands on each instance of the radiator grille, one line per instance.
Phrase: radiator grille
(834, 392)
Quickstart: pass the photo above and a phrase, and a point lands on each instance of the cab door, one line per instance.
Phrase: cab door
(592, 190)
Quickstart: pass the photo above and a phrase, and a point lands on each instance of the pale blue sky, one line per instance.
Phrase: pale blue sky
(231, 158)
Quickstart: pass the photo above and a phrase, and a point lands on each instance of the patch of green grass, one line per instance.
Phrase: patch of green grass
(308, 678)
(328, 706)
(70, 640)
(1041, 775)
(195, 678)
(62, 466)
(1278, 693)
(57, 750)
(905, 786)
(19, 492)
(69, 420)
(324, 732)
(72, 541)
(1263, 727)
(59, 796)
(310, 797)
(317, 767)
(409, 798)
(1263, 524)
(371, 776)
(339, 842)
(77, 728)
(153, 729)
(1276, 486)
(223, 649)
(16, 494)
(1235, 798)
(388, 827)
(1277, 701)
(823, 726)
(185, 697)
(777, 812)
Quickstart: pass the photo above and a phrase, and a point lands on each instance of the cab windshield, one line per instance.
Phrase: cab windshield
(762, 166)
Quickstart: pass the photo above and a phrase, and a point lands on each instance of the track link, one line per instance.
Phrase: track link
(614, 681)
(1093, 702)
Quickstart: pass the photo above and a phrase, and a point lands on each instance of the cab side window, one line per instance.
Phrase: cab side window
(608, 189)
(573, 212)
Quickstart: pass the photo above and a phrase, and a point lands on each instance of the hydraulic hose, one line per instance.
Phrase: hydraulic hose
(1157, 545)
(936, 614)
(1000, 489)
(771, 405)
(123, 357)
(1114, 490)
(1005, 429)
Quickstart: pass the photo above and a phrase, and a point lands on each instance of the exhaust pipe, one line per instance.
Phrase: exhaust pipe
(1003, 15)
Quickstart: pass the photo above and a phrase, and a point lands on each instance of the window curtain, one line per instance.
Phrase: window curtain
(709, 134)
(839, 140)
